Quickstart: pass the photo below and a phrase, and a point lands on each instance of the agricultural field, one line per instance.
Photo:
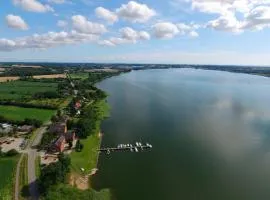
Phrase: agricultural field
(81, 75)
(7, 169)
(24, 89)
(19, 113)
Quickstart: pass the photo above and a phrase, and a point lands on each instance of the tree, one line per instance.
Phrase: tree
(79, 146)
(12, 152)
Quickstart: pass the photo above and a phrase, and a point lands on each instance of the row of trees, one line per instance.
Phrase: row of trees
(27, 121)
(22, 104)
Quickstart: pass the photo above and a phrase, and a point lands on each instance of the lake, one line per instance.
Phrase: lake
(210, 132)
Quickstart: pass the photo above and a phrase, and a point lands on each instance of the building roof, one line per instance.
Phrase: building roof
(60, 140)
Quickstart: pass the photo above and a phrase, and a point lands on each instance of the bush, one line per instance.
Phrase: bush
(12, 152)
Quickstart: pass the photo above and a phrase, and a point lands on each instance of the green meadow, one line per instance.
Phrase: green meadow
(7, 169)
(24, 89)
(19, 113)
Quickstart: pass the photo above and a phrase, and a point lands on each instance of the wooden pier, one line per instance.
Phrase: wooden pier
(124, 148)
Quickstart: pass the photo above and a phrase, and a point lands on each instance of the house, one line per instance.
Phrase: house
(59, 144)
(58, 128)
(70, 136)
(5, 128)
(25, 128)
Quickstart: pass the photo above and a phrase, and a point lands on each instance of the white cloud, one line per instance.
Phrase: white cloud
(130, 34)
(62, 23)
(226, 22)
(135, 12)
(193, 34)
(107, 15)
(258, 18)
(33, 6)
(47, 40)
(251, 14)
(16, 22)
(165, 30)
(57, 1)
(81, 24)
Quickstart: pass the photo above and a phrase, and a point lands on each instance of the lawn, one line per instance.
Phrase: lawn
(24, 89)
(87, 158)
(19, 113)
(81, 75)
(7, 169)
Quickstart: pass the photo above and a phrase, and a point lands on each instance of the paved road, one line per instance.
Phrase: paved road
(32, 154)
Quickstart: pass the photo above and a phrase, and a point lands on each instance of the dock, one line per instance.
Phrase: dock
(137, 147)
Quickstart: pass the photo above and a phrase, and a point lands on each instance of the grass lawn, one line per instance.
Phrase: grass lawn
(7, 170)
(87, 158)
(19, 113)
(23, 184)
(79, 75)
(23, 89)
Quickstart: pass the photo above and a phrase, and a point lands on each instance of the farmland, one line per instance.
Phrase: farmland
(24, 89)
(7, 169)
(19, 113)
(81, 75)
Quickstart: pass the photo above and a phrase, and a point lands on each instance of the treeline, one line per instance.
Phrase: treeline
(29, 71)
(90, 120)
(27, 121)
(95, 77)
(46, 95)
(26, 104)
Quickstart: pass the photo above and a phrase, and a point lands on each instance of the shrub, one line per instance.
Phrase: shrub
(12, 152)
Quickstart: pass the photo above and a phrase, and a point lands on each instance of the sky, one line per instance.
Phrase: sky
(234, 32)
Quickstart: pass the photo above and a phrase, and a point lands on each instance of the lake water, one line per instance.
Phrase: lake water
(210, 133)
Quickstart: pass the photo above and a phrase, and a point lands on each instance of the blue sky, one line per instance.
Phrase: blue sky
(145, 31)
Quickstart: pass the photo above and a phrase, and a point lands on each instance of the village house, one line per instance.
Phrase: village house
(59, 144)
(58, 128)
(70, 136)
(5, 128)
(25, 128)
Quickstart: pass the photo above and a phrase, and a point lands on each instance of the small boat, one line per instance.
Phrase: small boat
(131, 149)
(136, 149)
(108, 152)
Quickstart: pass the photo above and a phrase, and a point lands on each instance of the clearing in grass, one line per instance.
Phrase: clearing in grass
(19, 113)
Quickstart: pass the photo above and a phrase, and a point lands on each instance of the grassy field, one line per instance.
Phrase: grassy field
(19, 113)
(80, 75)
(87, 158)
(7, 170)
(24, 89)
(23, 184)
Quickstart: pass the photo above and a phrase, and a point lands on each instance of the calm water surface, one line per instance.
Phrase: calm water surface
(210, 132)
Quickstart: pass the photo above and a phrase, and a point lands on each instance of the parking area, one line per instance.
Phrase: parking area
(13, 143)
(46, 159)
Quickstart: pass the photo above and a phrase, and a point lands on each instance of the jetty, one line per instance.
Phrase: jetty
(137, 147)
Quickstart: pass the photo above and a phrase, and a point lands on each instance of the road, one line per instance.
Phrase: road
(32, 154)
(17, 185)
